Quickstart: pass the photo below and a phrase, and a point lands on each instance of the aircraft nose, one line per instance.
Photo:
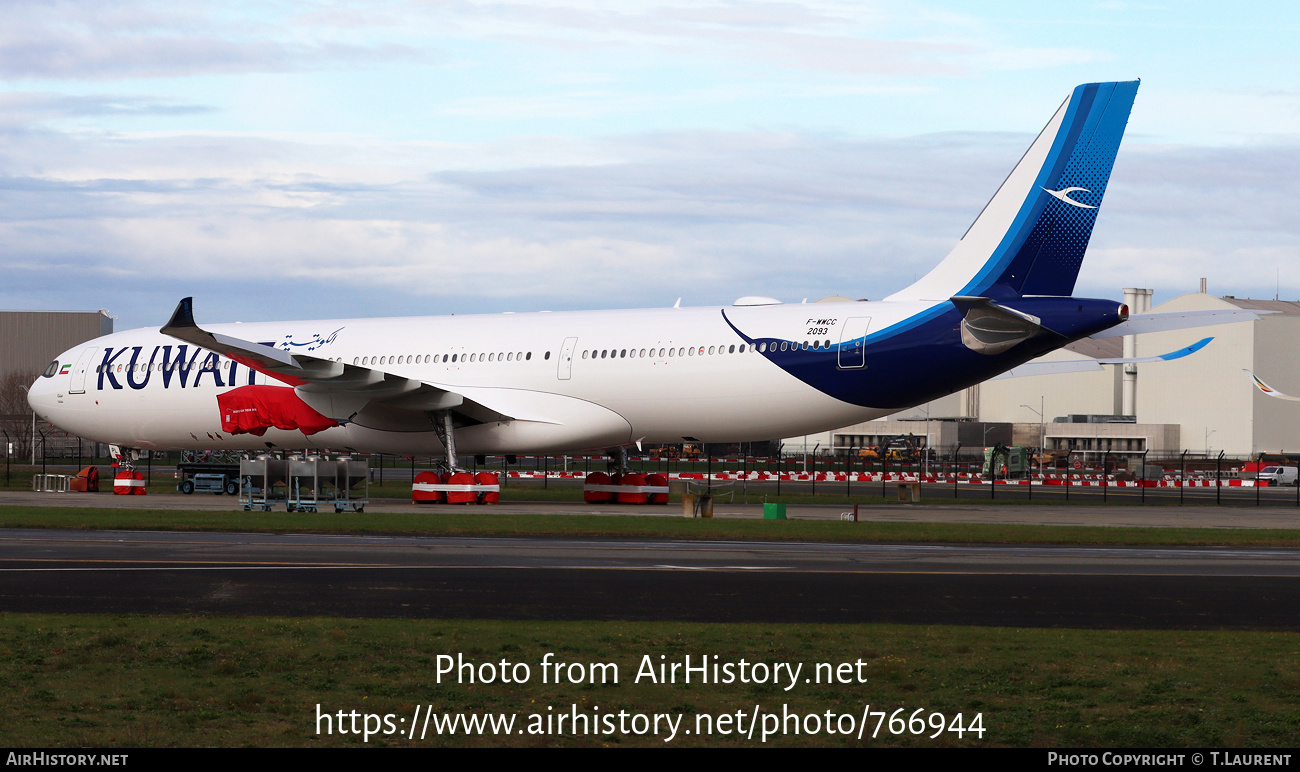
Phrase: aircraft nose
(41, 397)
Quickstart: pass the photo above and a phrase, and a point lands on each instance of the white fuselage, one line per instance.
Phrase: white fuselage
(572, 380)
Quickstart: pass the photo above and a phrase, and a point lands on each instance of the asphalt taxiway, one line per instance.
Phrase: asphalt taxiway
(603, 578)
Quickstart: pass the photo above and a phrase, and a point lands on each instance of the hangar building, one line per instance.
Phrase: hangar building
(30, 339)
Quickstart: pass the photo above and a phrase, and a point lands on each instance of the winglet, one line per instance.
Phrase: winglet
(182, 317)
(1269, 390)
(261, 358)
(1187, 350)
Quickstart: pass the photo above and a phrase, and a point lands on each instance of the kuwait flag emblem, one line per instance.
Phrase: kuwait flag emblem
(66, 369)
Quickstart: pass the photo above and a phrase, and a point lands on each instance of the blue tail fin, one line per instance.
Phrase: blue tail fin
(1031, 236)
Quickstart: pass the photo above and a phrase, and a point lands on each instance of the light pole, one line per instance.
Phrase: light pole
(1208, 432)
(1042, 430)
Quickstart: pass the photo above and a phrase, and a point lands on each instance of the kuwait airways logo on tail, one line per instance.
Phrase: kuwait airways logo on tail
(1064, 195)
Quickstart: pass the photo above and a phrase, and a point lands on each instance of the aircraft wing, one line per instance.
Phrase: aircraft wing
(1180, 320)
(1269, 390)
(1086, 365)
(335, 389)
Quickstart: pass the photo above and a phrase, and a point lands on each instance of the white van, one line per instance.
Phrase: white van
(1278, 475)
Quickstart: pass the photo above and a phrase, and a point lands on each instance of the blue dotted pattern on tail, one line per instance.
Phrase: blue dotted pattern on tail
(1049, 255)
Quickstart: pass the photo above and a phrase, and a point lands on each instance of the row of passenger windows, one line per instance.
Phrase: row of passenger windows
(788, 346)
(141, 367)
(626, 353)
(662, 353)
(417, 359)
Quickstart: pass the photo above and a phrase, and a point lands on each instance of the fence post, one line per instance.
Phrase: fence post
(1182, 477)
(1218, 478)
(956, 469)
(1258, 464)
(1142, 482)
(1105, 470)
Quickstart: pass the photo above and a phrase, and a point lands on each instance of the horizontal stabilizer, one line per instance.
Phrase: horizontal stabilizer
(989, 328)
(1092, 365)
(1180, 320)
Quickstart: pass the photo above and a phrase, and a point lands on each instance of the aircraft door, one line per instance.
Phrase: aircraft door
(853, 343)
(566, 358)
(79, 371)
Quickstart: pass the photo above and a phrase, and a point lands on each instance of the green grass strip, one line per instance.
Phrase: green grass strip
(103, 681)
(488, 524)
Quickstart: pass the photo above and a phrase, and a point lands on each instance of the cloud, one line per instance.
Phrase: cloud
(283, 227)
(65, 39)
(26, 108)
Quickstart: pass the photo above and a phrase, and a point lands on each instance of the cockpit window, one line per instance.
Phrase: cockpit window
(52, 370)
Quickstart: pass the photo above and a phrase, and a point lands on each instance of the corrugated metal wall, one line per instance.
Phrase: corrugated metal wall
(30, 339)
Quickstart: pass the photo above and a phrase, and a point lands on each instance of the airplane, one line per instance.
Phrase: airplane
(523, 383)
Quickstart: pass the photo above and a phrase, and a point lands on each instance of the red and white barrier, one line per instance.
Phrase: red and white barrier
(635, 488)
(128, 483)
(601, 488)
(458, 488)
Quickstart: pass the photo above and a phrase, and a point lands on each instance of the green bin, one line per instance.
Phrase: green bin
(773, 511)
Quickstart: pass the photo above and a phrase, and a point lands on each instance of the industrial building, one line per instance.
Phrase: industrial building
(29, 340)
(1203, 404)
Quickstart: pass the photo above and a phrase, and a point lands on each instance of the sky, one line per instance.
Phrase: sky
(288, 159)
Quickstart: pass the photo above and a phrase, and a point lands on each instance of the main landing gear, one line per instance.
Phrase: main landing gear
(445, 428)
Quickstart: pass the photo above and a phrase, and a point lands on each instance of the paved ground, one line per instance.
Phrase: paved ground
(565, 578)
(586, 578)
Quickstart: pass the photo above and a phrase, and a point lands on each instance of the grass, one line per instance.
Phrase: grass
(104, 681)
(479, 523)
